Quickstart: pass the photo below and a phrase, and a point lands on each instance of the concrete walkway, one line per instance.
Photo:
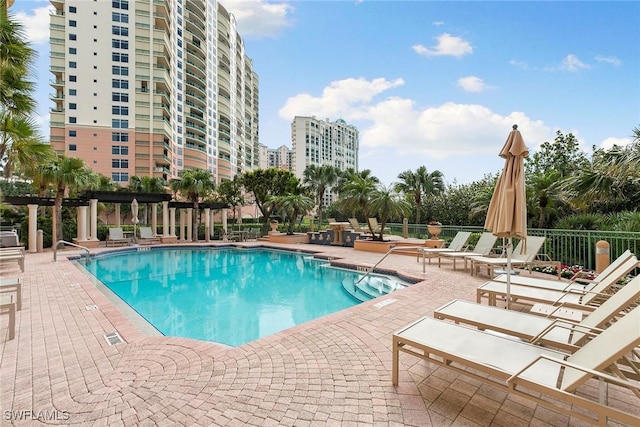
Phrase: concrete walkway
(336, 370)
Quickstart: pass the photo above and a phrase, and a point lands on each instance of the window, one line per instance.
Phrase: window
(120, 110)
(72, 133)
(73, 50)
(73, 64)
(120, 17)
(120, 4)
(118, 70)
(72, 9)
(72, 37)
(119, 176)
(120, 97)
(119, 44)
(119, 31)
(73, 23)
(120, 84)
(72, 106)
(73, 120)
(119, 57)
(121, 150)
(119, 123)
(72, 147)
(119, 137)
(73, 78)
(120, 163)
(72, 92)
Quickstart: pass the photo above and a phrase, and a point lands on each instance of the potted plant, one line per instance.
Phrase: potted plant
(435, 229)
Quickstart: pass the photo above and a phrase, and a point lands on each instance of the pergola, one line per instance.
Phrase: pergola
(87, 214)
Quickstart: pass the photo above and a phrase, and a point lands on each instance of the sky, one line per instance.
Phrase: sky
(431, 83)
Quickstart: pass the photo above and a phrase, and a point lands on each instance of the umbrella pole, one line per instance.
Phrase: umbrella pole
(509, 251)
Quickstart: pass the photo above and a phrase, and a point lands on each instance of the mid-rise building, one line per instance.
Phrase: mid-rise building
(146, 87)
(279, 157)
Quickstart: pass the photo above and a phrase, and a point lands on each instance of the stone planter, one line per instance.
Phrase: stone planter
(435, 231)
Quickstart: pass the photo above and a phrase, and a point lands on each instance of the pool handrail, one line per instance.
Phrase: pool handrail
(55, 249)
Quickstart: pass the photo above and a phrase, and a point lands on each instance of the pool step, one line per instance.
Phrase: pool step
(370, 287)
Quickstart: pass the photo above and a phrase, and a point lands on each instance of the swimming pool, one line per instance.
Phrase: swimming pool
(228, 295)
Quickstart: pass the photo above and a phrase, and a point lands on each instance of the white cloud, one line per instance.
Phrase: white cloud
(351, 95)
(398, 126)
(609, 59)
(36, 24)
(473, 84)
(519, 64)
(448, 45)
(438, 23)
(608, 143)
(572, 63)
(258, 18)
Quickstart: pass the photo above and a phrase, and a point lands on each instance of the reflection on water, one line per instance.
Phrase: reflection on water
(231, 296)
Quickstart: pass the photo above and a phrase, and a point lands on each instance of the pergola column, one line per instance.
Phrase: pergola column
(190, 225)
(207, 223)
(33, 228)
(154, 218)
(93, 203)
(224, 221)
(213, 224)
(87, 232)
(165, 219)
(172, 222)
(82, 224)
(183, 220)
(117, 214)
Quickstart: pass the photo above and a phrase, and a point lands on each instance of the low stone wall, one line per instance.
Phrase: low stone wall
(288, 238)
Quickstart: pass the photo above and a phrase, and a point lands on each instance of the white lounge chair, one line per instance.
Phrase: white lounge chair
(11, 286)
(14, 254)
(147, 236)
(457, 244)
(356, 226)
(483, 247)
(375, 226)
(7, 305)
(116, 236)
(537, 329)
(620, 267)
(549, 378)
(565, 294)
(524, 253)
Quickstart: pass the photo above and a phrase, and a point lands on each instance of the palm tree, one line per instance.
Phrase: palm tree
(16, 67)
(194, 185)
(387, 203)
(418, 184)
(319, 179)
(355, 195)
(21, 148)
(68, 173)
(293, 205)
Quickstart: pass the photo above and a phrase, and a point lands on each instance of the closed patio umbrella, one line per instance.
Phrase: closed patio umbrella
(134, 217)
(507, 214)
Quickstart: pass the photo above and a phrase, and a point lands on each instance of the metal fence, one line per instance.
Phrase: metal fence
(571, 247)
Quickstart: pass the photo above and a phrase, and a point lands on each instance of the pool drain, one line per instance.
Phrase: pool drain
(113, 338)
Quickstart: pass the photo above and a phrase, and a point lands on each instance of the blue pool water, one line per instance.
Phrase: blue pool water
(231, 296)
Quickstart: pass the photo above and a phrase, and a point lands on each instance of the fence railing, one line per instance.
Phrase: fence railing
(571, 247)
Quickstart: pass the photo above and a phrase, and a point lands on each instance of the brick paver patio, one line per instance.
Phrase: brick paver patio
(332, 371)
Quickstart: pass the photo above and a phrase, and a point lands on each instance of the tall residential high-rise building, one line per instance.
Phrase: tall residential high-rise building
(151, 87)
(321, 142)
